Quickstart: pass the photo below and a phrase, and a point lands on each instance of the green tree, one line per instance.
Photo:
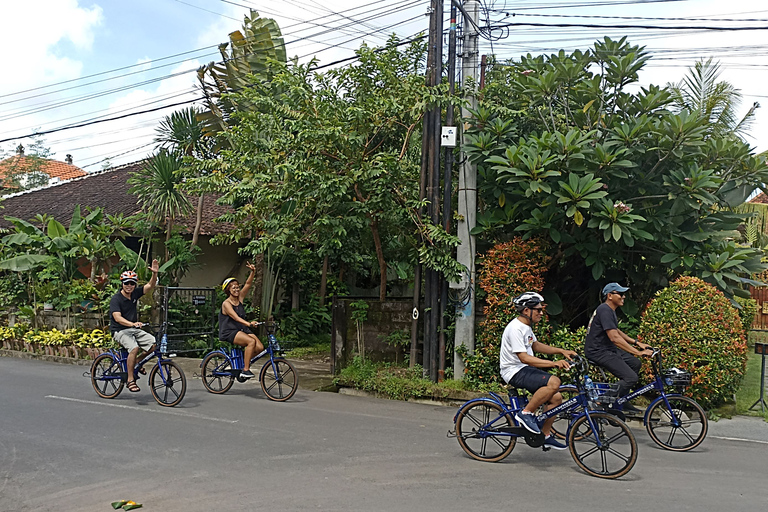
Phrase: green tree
(331, 162)
(621, 186)
(183, 133)
(717, 102)
(156, 185)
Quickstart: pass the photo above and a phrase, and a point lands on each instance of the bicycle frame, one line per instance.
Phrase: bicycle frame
(236, 358)
(120, 357)
(517, 403)
(657, 384)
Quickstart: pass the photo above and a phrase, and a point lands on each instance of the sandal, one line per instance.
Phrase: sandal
(142, 370)
(133, 387)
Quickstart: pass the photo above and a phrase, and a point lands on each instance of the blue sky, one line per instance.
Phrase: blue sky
(51, 46)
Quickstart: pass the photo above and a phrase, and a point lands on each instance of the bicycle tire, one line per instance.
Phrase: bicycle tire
(692, 418)
(174, 387)
(562, 420)
(616, 439)
(280, 384)
(216, 384)
(472, 424)
(106, 365)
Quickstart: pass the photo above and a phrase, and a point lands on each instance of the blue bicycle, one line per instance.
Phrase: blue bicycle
(600, 443)
(278, 377)
(673, 421)
(109, 374)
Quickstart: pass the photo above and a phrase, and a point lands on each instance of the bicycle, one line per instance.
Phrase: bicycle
(600, 443)
(671, 417)
(278, 377)
(109, 374)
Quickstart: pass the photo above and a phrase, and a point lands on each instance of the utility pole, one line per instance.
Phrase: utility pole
(465, 253)
(431, 171)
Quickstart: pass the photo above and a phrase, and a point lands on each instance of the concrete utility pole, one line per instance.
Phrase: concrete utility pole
(465, 320)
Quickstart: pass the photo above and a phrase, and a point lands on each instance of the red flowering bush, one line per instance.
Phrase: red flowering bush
(508, 269)
(699, 331)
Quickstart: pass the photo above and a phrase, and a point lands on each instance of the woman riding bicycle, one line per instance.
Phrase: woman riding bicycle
(233, 328)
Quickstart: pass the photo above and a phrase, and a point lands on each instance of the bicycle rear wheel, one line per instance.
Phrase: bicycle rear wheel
(614, 455)
(680, 427)
(168, 392)
(104, 376)
(213, 369)
(475, 426)
(280, 383)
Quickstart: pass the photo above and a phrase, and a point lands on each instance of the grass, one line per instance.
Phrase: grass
(749, 392)
(315, 351)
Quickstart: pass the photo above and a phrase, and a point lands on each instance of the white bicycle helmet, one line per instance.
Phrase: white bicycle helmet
(527, 300)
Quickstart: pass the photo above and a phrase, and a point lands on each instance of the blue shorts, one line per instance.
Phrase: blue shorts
(530, 378)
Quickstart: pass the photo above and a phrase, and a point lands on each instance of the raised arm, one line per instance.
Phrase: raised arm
(153, 280)
(248, 282)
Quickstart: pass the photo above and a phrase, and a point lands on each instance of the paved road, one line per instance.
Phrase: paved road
(63, 448)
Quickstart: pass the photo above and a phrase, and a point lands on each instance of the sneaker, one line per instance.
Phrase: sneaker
(554, 443)
(247, 374)
(528, 421)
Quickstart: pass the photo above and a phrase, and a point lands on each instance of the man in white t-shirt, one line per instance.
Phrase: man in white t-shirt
(521, 369)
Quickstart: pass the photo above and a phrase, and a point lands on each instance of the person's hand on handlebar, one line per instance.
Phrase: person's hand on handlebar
(255, 323)
(568, 354)
(648, 352)
(642, 346)
(562, 363)
(138, 325)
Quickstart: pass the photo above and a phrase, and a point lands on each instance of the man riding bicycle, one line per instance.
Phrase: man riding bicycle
(607, 346)
(521, 369)
(124, 318)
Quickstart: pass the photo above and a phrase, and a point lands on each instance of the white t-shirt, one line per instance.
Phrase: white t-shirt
(517, 337)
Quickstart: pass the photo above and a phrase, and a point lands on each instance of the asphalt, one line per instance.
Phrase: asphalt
(315, 375)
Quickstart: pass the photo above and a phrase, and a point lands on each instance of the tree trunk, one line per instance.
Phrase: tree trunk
(169, 229)
(380, 257)
(198, 220)
(323, 281)
(295, 297)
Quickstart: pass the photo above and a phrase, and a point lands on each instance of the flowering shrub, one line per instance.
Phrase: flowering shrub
(77, 337)
(698, 331)
(747, 312)
(508, 269)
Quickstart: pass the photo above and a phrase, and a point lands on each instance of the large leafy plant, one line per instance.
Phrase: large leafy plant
(626, 186)
(699, 331)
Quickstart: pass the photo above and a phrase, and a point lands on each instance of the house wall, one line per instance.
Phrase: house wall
(214, 264)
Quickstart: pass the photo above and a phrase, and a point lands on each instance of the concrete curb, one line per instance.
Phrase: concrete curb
(446, 402)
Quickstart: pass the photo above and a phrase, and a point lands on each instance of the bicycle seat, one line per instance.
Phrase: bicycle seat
(513, 391)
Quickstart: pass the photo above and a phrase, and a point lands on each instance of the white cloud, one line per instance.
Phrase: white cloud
(29, 38)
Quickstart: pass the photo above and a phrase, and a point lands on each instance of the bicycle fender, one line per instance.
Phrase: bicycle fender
(658, 399)
(217, 351)
(477, 400)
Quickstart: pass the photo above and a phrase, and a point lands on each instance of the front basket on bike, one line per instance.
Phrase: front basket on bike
(608, 392)
(676, 378)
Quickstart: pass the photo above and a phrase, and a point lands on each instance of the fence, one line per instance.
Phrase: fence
(191, 318)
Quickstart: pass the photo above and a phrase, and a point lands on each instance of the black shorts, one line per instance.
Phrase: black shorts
(229, 336)
(530, 379)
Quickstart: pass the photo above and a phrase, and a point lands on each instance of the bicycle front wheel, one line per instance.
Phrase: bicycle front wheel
(214, 380)
(169, 391)
(679, 427)
(602, 445)
(278, 383)
(105, 372)
(475, 426)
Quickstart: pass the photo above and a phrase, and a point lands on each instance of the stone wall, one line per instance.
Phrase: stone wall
(382, 319)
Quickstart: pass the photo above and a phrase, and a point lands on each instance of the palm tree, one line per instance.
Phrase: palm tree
(715, 101)
(182, 133)
(157, 187)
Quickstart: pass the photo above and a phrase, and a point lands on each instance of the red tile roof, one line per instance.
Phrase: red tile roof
(53, 168)
(760, 198)
(107, 189)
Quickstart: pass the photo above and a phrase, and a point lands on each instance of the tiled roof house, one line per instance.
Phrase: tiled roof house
(109, 190)
(20, 163)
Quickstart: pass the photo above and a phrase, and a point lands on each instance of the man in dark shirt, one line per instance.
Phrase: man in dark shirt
(607, 346)
(124, 318)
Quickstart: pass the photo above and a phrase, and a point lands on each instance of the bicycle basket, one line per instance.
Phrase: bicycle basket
(608, 392)
(676, 378)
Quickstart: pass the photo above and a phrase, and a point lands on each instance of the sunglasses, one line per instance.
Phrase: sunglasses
(537, 309)
(620, 294)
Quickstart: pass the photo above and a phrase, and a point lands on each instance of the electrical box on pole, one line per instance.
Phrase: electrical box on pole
(448, 137)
